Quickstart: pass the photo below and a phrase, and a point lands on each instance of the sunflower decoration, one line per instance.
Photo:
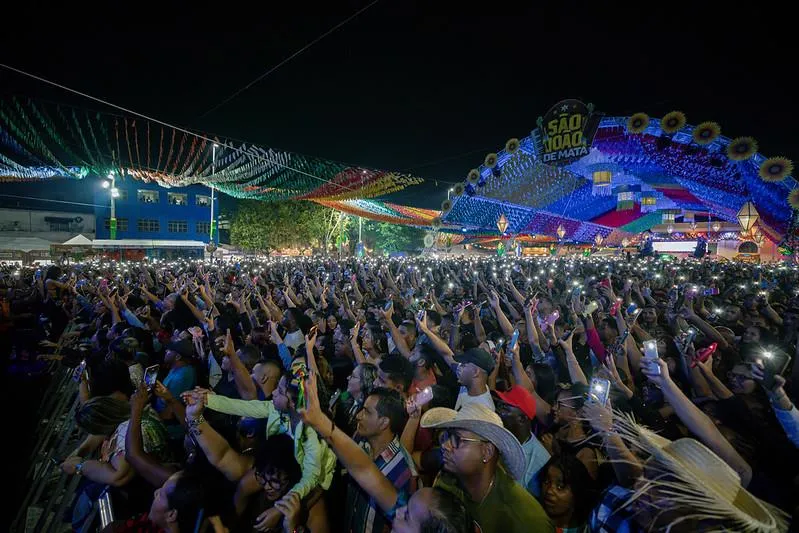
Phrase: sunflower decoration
(512, 146)
(436, 223)
(793, 199)
(672, 122)
(706, 133)
(775, 169)
(473, 177)
(458, 189)
(491, 160)
(446, 205)
(742, 149)
(638, 123)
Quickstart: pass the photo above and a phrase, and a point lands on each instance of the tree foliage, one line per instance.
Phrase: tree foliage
(386, 237)
(266, 226)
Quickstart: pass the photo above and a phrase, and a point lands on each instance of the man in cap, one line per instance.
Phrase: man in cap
(182, 377)
(473, 368)
(516, 408)
(472, 443)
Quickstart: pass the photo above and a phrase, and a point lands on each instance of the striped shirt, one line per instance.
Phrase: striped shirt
(363, 513)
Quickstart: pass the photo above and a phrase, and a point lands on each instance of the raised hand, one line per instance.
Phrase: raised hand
(599, 417)
(139, 399)
(290, 506)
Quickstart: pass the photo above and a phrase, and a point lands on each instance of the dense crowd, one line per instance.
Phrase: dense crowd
(426, 395)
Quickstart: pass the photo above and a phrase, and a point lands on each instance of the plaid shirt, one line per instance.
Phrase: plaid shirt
(363, 513)
(610, 516)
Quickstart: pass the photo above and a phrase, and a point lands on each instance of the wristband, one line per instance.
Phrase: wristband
(193, 423)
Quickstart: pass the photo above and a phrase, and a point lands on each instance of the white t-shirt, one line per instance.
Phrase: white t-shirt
(464, 398)
(293, 340)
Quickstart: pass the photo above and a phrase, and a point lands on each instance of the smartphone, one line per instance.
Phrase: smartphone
(631, 309)
(710, 291)
(514, 338)
(576, 292)
(651, 355)
(599, 391)
(773, 362)
(420, 399)
(79, 371)
(150, 376)
(591, 307)
(420, 314)
(388, 305)
(566, 335)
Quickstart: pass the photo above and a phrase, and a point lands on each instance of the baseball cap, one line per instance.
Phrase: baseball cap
(479, 358)
(520, 398)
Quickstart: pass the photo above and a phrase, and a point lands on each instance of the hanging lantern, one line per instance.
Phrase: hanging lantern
(747, 216)
(716, 226)
(757, 235)
(649, 202)
(502, 223)
(602, 182)
(561, 231)
(670, 229)
(625, 242)
(598, 239)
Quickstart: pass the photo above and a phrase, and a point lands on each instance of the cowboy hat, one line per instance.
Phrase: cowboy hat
(484, 422)
(699, 479)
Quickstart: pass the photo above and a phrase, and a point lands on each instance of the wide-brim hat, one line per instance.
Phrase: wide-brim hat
(482, 421)
(694, 476)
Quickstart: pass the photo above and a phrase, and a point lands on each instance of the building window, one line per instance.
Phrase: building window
(202, 200)
(177, 198)
(122, 224)
(204, 228)
(123, 196)
(148, 224)
(177, 226)
(148, 197)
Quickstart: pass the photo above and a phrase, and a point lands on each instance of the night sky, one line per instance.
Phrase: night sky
(427, 89)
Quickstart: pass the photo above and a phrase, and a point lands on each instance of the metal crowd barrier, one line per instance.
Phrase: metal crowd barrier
(51, 491)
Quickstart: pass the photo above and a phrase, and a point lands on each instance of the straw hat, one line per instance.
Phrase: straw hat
(693, 476)
(482, 421)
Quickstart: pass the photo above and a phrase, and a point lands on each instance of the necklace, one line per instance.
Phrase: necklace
(490, 486)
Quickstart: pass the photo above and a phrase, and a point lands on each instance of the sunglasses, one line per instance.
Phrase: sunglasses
(455, 439)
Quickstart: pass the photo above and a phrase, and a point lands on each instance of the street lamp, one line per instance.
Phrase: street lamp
(213, 171)
(111, 183)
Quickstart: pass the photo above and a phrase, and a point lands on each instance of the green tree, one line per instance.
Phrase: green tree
(265, 226)
(387, 237)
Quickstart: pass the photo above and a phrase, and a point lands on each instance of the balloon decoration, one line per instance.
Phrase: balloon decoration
(706, 133)
(490, 160)
(775, 169)
(638, 123)
(672, 122)
(741, 149)
(512, 146)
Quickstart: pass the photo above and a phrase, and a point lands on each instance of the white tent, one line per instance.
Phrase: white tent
(79, 240)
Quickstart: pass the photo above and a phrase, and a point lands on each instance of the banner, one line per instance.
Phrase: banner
(565, 133)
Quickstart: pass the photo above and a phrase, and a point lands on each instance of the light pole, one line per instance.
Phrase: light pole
(213, 171)
(111, 184)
